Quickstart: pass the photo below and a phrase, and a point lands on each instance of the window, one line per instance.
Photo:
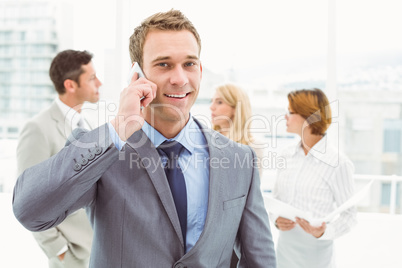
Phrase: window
(39, 35)
(12, 130)
(22, 36)
(21, 50)
(386, 194)
(5, 63)
(5, 36)
(4, 78)
(392, 142)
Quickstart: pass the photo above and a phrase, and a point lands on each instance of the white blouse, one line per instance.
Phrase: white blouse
(318, 182)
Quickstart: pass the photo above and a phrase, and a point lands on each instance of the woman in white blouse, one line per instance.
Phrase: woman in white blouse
(317, 179)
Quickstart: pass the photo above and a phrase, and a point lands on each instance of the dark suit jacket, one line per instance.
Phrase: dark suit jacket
(131, 206)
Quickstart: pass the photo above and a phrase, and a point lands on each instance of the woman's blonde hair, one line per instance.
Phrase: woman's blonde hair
(312, 105)
(234, 96)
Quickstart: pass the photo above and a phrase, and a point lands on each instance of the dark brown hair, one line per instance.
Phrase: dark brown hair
(68, 65)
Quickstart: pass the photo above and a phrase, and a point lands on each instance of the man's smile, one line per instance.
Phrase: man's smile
(177, 96)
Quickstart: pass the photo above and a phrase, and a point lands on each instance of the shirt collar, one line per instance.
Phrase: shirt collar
(323, 152)
(320, 152)
(319, 149)
(319, 146)
(184, 137)
(70, 115)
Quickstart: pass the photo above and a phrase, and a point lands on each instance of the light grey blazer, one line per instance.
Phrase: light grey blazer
(131, 206)
(41, 137)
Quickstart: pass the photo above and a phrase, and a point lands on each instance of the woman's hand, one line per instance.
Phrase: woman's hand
(284, 224)
(314, 231)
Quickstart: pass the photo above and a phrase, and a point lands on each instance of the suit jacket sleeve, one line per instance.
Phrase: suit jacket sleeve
(254, 237)
(33, 148)
(45, 194)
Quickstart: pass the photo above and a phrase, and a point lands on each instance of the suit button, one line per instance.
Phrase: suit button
(97, 150)
(90, 156)
(77, 167)
(84, 161)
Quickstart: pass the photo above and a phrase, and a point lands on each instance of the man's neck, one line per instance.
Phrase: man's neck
(309, 140)
(71, 102)
(168, 129)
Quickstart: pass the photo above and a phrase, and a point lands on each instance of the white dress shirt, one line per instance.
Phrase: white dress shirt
(72, 117)
(318, 182)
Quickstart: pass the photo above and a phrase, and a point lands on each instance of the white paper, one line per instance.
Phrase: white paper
(287, 211)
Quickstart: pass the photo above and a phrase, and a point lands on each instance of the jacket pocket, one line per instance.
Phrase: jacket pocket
(234, 202)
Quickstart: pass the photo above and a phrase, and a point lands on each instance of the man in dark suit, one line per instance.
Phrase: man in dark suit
(148, 208)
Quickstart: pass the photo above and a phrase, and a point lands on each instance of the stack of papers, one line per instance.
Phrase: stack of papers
(287, 211)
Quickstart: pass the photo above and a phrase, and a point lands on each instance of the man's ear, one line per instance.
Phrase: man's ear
(201, 69)
(70, 85)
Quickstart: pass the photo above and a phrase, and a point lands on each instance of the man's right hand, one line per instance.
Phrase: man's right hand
(284, 224)
(129, 118)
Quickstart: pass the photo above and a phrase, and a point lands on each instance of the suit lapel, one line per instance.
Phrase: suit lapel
(63, 127)
(146, 150)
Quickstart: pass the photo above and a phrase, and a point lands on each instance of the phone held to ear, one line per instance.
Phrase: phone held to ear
(135, 69)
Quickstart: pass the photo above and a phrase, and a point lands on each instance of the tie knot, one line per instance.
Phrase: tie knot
(171, 148)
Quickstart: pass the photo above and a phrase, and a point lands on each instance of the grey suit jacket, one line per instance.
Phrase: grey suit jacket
(41, 137)
(131, 206)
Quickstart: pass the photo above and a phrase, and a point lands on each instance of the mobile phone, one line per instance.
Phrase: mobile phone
(135, 69)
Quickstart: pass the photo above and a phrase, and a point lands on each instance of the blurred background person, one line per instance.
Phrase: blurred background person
(231, 116)
(317, 179)
(74, 78)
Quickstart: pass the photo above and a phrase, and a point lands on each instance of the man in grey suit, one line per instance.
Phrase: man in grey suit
(67, 244)
(122, 171)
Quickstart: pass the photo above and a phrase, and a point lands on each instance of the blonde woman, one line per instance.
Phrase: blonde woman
(231, 116)
(317, 179)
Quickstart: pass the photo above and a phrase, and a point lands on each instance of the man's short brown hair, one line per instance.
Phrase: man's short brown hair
(173, 20)
(68, 65)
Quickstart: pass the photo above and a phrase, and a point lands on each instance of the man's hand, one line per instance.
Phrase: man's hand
(284, 224)
(315, 231)
(129, 118)
(61, 256)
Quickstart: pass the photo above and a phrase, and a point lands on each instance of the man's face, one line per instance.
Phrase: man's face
(171, 62)
(88, 89)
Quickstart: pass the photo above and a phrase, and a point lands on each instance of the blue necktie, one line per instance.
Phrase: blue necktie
(176, 181)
